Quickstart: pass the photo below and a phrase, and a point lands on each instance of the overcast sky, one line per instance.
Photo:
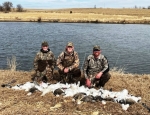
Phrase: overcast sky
(55, 4)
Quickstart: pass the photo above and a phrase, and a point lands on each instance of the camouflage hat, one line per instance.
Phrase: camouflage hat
(96, 48)
(44, 43)
(70, 44)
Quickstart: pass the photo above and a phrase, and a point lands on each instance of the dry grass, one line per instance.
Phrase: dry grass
(105, 11)
(99, 15)
(18, 103)
(11, 63)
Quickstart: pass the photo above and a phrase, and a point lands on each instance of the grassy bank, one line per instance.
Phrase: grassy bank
(17, 102)
(82, 15)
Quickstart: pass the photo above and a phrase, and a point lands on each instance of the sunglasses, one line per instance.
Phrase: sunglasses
(96, 50)
(44, 46)
(69, 46)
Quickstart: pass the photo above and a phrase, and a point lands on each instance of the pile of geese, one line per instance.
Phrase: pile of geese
(79, 93)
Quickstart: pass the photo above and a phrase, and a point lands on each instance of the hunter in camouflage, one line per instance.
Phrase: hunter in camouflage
(68, 64)
(96, 69)
(44, 63)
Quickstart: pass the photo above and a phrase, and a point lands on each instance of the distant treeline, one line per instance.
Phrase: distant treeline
(8, 7)
(136, 7)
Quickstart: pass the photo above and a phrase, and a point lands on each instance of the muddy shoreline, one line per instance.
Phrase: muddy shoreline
(83, 21)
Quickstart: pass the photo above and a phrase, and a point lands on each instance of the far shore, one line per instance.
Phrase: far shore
(80, 15)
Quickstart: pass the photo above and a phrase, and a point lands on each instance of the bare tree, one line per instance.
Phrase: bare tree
(19, 8)
(143, 8)
(148, 7)
(1, 8)
(135, 7)
(7, 6)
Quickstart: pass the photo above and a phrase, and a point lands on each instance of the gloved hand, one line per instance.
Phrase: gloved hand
(88, 82)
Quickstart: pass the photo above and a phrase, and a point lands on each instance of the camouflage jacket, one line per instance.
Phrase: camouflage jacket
(44, 60)
(68, 60)
(92, 65)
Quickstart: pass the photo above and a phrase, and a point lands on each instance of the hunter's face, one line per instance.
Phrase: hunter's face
(45, 48)
(69, 49)
(96, 53)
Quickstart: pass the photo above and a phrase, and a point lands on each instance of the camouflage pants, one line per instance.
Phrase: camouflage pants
(46, 75)
(99, 82)
(71, 77)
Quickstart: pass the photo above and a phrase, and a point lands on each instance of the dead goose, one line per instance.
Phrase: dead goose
(8, 85)
(144, 105)
(99, 98)
(79, 96)
(59, 91)
(89, 98)
(32, 90)
(126, 101)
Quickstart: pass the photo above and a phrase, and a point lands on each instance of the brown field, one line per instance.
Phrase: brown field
(18, 103)
(82, 15)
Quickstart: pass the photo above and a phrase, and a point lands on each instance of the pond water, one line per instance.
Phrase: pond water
(127, 46)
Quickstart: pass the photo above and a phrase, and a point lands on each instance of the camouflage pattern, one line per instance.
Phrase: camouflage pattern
(44, 63)
(70, 44)
(96, 48)
(99, 82)
(93, 66)
(44, 43)
(71, 61)
(70, 77)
